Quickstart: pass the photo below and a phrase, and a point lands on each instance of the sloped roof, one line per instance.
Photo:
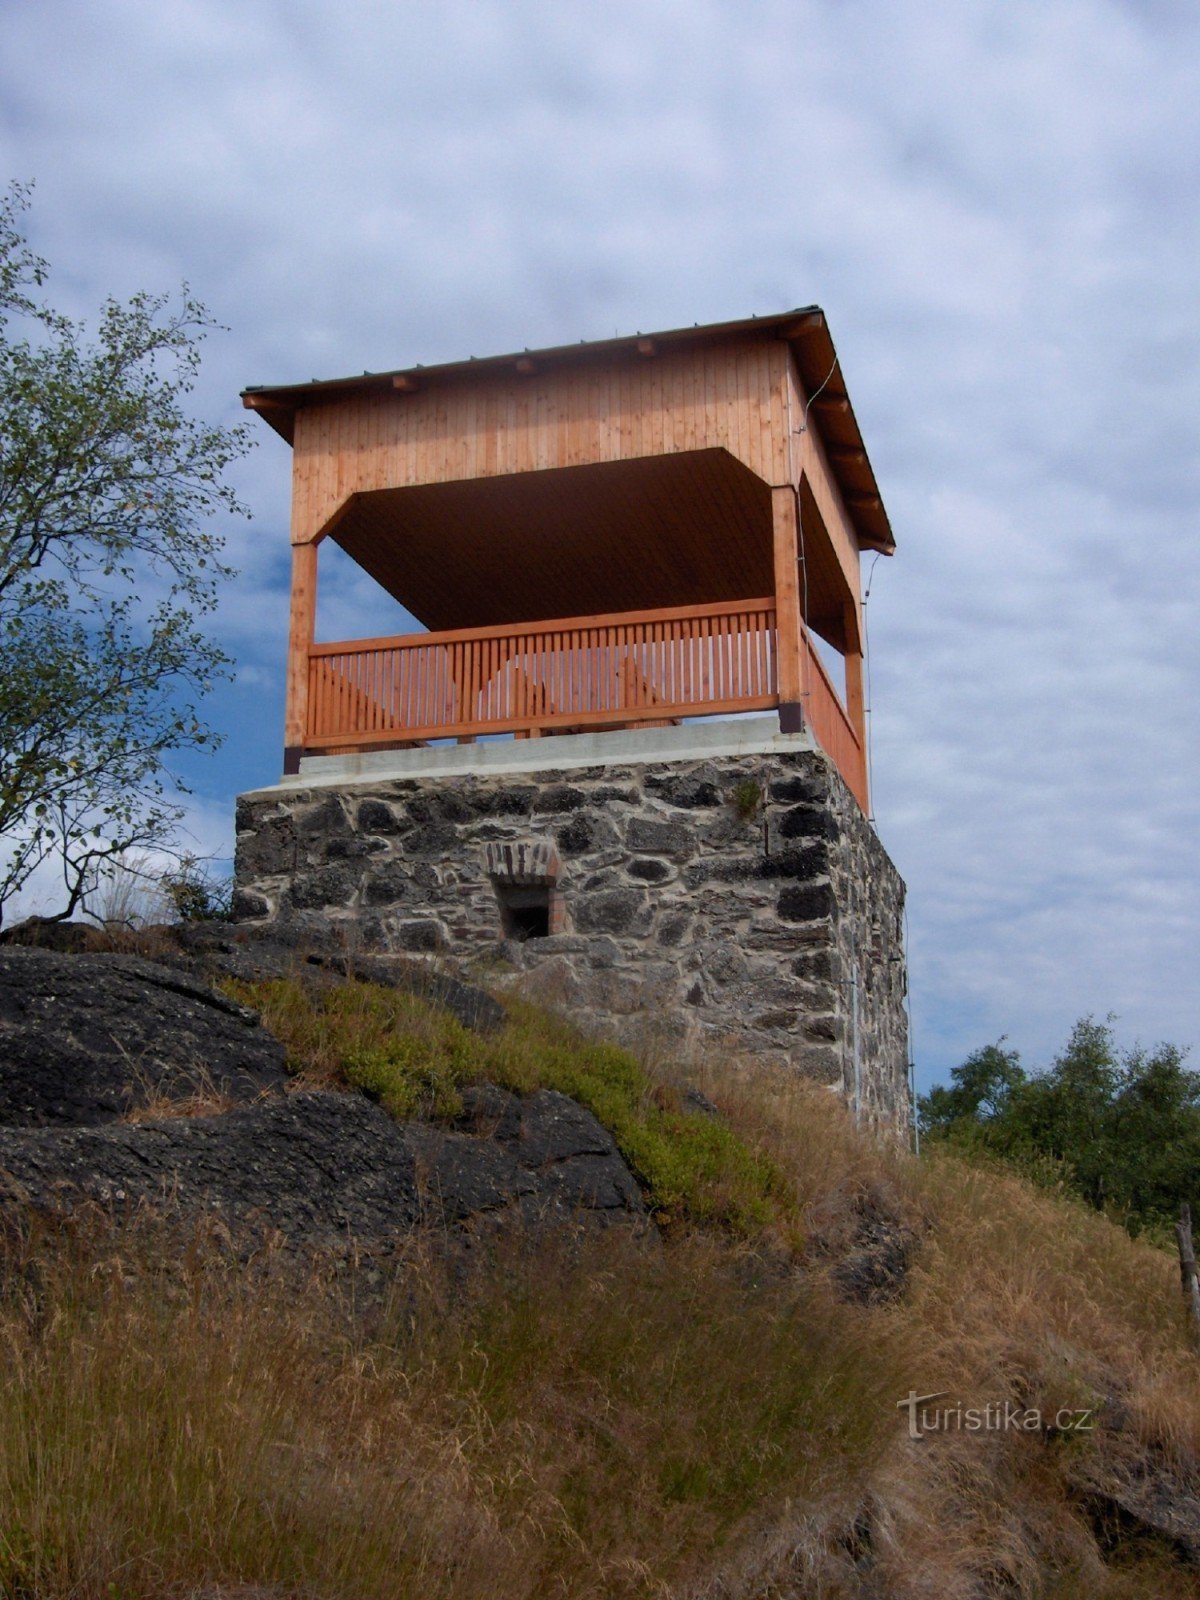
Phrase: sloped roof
(805, 329)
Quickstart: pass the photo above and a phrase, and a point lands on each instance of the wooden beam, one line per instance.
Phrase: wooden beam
(526, 365)
(832, 403)
(812, 323)
(263, 402)
(647, 347)
(521, 630)
(787, 610)
(300, 638)
(406, 383)
(846, 457)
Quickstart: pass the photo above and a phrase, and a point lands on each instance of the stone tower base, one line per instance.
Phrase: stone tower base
(711, 883)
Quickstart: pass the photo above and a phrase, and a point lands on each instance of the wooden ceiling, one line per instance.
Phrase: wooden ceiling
(580, 541)
(577, 541)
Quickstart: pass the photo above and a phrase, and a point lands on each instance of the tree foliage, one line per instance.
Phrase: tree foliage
(109, 562)
(1119, 1128)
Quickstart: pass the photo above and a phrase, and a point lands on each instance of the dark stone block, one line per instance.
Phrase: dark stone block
(433, 839)
(738, 869)
(388, 885)
(514, 802)
(609, 911)
(776, 1020)
(270, 848)
(423, 934)
(673, 928)
(353, 849)
(800, 788)
(247, 906)
(250, 815)
(324, 821)
(816, 965)
(660, 838)
(806, 861)
(806, 903)
(585, 831)
(559, 798)
(326, 886)
(443, 805)
(606, 793)
(376, 816)
(650, 871)
(605, 879)
(689, 791)
(807, 822)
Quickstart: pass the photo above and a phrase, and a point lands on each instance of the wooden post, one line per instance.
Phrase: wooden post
(300, 637)
(854, 688)
(1187, 1266)
(788, 623)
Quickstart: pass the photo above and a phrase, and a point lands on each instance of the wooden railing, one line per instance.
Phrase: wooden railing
(830, 724)
(570, 674)
(539, 677)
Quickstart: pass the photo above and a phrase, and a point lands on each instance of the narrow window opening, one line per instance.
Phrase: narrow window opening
(525, 913)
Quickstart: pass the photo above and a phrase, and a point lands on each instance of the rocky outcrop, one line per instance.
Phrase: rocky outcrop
(1129, 1488)
(85, 1039)
(105, 1061)
(321, 1168)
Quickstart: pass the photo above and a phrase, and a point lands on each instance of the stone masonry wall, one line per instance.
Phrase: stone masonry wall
(740, 901)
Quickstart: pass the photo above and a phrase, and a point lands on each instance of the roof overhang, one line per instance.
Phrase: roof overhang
(805, 330)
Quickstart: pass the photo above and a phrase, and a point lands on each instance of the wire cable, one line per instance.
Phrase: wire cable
(803, 428)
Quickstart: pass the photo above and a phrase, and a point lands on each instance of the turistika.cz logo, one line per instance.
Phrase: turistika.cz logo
(998, 1416)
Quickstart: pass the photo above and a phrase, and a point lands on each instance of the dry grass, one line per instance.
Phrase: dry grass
(589, 1419)
(699, 1418)
(207, 1098)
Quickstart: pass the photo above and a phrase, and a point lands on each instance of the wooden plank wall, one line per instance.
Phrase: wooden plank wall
(731, 395)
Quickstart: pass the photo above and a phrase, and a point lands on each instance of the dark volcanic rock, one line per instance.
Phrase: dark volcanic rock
(573, 1160)
(315, 1166)
(1129, 1489)
(319, 1167)
(84, 1039)
(875, 1273)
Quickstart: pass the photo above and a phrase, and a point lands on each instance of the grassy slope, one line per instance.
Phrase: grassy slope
(594, 1418)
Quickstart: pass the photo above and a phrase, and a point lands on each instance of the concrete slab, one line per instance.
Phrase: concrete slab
(694, 741)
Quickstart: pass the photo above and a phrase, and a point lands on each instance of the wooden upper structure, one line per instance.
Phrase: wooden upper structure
(597, 535)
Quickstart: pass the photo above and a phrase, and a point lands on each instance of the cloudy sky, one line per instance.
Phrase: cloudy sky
(996, 203)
